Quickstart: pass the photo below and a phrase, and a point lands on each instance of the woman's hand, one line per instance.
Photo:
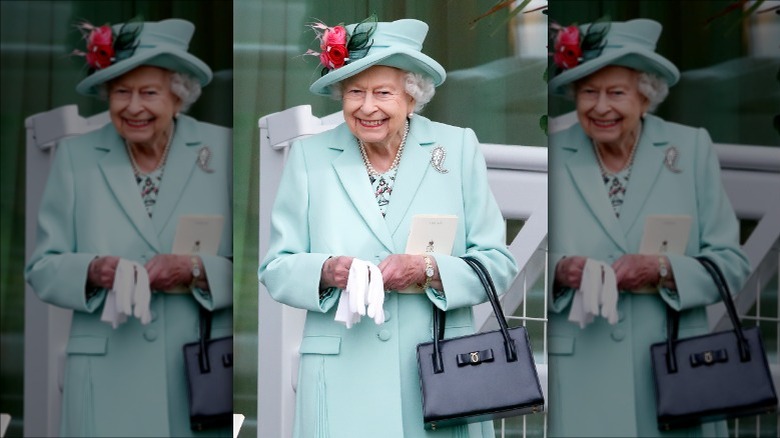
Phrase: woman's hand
(167, 271)
(335, 272)
(568, 272)
(400, 271)
(637, 272)
(101, 272)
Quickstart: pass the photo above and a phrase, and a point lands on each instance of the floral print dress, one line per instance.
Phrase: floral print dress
(616, 184)
(149, 185)
(382, 185)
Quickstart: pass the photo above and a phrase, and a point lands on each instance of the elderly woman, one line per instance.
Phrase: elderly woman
(115, 198)
(610, 172)
(350, 194)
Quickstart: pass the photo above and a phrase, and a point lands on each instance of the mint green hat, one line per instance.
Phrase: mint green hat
(161, 44)
(395, 44)
(628, 44)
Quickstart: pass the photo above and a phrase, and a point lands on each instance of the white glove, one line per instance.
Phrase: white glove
(376, 294)
(597, 294)
(110, 313)
(365, 286)
(142, 295)
(609, 296)
(344, 312)
(584, 305)
(592, 282)
(124, 283)
(129, 296)
(357, 286)
(118, 304)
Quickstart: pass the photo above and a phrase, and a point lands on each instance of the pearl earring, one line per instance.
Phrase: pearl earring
(411, 115)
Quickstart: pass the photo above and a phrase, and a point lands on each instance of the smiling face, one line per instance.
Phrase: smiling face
(610, 106)
(375, 105)
(142, 106)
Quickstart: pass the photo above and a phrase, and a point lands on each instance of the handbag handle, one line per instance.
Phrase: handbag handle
(205, 335)
(673, 317)
(490, 288)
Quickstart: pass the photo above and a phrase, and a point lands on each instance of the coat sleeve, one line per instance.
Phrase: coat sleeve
(485, 238)
(220, 274)
(718, 236)
(56, 272)
(558, 300)
(219, 268)
(289, 271)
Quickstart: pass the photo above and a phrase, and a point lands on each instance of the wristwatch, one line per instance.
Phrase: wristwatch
(195, 271)
(663, 271)
(428, 272)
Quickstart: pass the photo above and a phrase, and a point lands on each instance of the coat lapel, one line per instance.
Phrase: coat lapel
(412, 169)
(352, 175)
(584, 170)
(117, 170)
(648, 163)
(179, 166)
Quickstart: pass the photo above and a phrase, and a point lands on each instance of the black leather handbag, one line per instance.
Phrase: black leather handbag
(479, 377)
(713, 376)
(209, 367)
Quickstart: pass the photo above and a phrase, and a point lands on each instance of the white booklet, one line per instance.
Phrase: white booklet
(432, 233)
(665, 234)
(198, 234)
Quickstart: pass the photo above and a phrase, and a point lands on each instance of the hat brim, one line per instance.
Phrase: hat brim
(174, 60)
(401, 58)
(635, 58)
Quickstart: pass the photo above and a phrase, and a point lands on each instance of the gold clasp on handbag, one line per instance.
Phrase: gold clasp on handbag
(709, 357)
(475, 357)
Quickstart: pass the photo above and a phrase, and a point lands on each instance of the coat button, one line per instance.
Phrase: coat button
(154, 315)
(150, 335)
(388, 316)
(383, 335)
(618, 335)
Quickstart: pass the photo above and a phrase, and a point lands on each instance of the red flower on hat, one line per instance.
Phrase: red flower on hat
(100, 48)
(334, 36)
(572, 48)
(339, 47)
(567, 47)
(106, 47)
(334, 47)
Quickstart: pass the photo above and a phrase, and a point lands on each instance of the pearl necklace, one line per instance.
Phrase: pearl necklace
(629, 162)
(396, 160)
(161, 163)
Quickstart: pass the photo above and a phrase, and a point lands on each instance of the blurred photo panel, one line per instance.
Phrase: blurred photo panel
(117, 124)
(663, 147)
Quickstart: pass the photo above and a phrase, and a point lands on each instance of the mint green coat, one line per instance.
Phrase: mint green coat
(600, 376)
(363, 381)
(130, 381)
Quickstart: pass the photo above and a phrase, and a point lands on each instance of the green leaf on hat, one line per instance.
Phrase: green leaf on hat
(593, 42)
(360, 41)
(127, 39)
